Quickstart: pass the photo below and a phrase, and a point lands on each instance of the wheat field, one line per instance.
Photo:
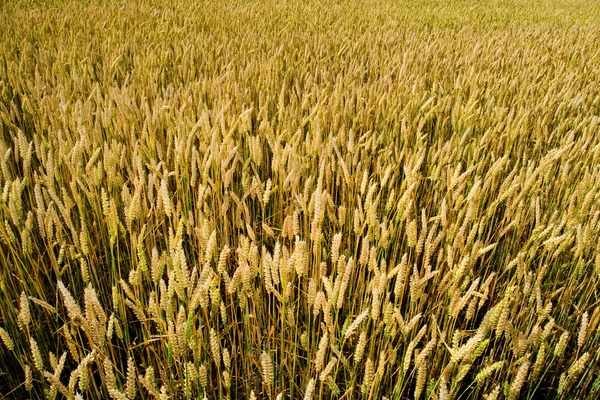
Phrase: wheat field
(299, 200)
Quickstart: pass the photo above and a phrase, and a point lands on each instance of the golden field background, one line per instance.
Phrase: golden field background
(299, 200)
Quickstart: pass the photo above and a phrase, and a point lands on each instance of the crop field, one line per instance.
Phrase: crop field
(299, 199)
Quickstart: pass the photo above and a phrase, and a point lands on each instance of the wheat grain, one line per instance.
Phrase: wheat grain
(310, 388)
(24, 317)
(519, 380)
(267, 369)
(582, 330)
(38, 362)
(6, 339)
(368, 376)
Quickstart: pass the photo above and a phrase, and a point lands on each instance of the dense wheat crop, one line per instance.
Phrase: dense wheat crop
(299, 200)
